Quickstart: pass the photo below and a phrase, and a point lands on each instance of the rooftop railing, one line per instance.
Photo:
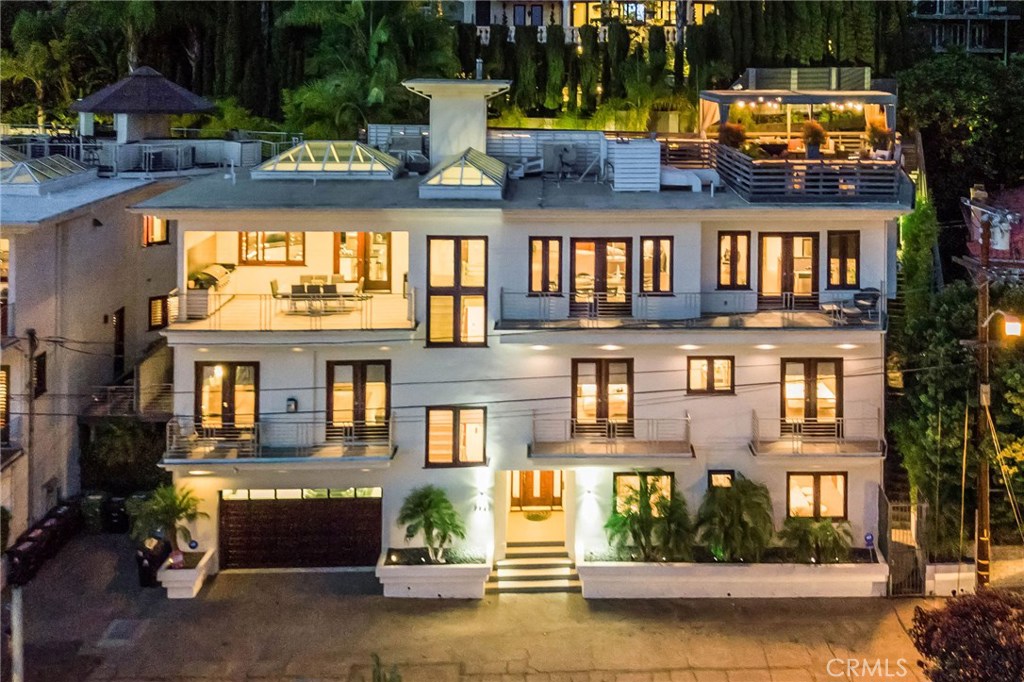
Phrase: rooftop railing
(611, 438)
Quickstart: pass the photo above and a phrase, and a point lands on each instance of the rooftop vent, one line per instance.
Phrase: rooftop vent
(469, 175)
(330, 160)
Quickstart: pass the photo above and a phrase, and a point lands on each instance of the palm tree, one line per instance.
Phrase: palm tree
(32, 64)
(736, 522)
(651, 525)
(817, 540)
(428, 510)
(164, 511)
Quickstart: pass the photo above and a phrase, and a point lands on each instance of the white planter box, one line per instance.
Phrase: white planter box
(185, 583)
(946, 580)
(452, 581)
(635, 580)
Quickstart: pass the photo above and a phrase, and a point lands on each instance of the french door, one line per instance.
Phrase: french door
(358, 401)
(365, 255)
(788, 273)
(602, 398)
(227, 396)
(812, 391)
(536, 489)
(601, 278)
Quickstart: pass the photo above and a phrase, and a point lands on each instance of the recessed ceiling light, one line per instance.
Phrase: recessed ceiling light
(765, 346)
(199, 472)
(540, 347)
(365, 471)
(847, 346)
(296, 349)
(385, 347)
(204, 350)
(610, 346)
(689, 346)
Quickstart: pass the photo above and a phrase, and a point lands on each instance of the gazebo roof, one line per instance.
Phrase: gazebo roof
(145, 91)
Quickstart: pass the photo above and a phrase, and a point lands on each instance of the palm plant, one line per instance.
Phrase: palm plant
(736, 521)
(428, 510)
(651, 526)
(164, 511)
(817, 540)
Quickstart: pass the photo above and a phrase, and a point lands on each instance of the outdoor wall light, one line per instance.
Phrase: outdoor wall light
(292, 405)
(1011, 323)
(539, 347)
(610, 346)
(689, 346)
(765, 346)
(847, 346)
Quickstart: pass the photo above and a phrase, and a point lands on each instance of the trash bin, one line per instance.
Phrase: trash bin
(149, 558)
(115, 516)
(92, 512)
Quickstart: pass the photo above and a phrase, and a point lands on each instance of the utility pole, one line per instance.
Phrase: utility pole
(33, 346)
(983, 552)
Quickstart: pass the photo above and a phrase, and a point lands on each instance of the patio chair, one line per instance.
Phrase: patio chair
(298, 295)
(333, 301)
(867, 301)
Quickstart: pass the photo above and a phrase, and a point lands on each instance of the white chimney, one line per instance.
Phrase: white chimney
(458, 113)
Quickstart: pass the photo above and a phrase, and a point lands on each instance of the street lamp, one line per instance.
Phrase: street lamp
(1011, 323)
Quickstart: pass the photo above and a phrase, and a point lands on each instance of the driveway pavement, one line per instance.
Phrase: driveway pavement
(87, 619)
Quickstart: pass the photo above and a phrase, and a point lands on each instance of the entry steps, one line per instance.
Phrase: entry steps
(534, 567)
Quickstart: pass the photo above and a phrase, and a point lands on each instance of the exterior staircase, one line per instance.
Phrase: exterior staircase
(534, 567)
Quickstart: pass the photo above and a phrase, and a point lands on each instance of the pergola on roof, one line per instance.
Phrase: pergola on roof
(145, 91)
(714, 104)
(330, 160)
(469, 175)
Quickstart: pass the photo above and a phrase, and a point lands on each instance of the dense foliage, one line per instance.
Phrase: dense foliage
(165, 511)
(973, 638)
(735, 522)
(122, 457)
(648, 526)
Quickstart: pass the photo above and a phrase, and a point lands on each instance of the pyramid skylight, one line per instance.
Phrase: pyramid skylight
(45, 174)
(10, 156)
(470, 175)
(330, 160)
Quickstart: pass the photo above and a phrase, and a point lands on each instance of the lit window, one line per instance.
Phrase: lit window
(721, 478)
(656, 264)
(5, 405)
(733, 260)
(843, 260)
(272, 248)
(710, 375)
(545, 265)
(155, 230)
(157, 312)
(457, 291)
(820, 496)
(627, 486)
(456, 436)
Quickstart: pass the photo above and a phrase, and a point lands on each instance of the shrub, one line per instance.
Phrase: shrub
(732, 135)
(973, 638)
(651, 527)
(427, 509)
(879, 136)
(819, 541)
(814, 133)
(736, 522)
(122, 457)
(164, 511)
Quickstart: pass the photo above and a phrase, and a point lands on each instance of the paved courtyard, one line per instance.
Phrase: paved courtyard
(87, 619)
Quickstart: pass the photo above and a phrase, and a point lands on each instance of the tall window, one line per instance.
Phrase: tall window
(733, 260)
(656, 265)
(627, 485)
(358, 400)
(457, 291)
(456, 436)
(812, 392)
(155, 230)
(157, 312)
(272, 248)
(545, 265)
(39, 374)
(227, 394)
(710, 375)
(844, 260)
(602, 397)
(814, 495)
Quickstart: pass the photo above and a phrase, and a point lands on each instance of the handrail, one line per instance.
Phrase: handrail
(844, 434)
(574, 436)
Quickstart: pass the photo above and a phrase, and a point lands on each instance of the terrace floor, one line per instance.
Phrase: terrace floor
(776, 448)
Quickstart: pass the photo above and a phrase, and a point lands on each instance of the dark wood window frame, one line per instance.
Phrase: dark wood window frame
(359, 383)
(656, 257)
(811, 378)
(731, 473)
(163, 312)
(545, 255)
(642, 472)
(148, 223)
(602, 367)
(710, 388)
(5, 406)
(456, 411)
(734, 265)
(844, 256)
(788, 276)
(197, 389)
(817, 475)
(457, 292)
(243, 236)
(38, 369)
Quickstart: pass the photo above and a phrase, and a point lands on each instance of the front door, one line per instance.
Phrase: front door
(227, 396)
(602, 398)
(536, 490)
(358, 401)
(812, 396)
(601, 278)
(118, 322)
(788, 272)
(364, 256)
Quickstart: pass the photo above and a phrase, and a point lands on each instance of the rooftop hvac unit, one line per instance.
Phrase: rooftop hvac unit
(559, 157)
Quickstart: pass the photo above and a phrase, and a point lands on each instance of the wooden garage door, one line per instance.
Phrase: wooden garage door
(299, 533)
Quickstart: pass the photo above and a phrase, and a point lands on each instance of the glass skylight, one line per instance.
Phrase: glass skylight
(9, 157)
(470, 175)
(41, 170)
(325, 159)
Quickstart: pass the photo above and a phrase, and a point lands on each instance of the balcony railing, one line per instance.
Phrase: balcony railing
(862, 436)
(280, 439)
(128, 401)
(206, 309)
(611, 438)
(744, 309)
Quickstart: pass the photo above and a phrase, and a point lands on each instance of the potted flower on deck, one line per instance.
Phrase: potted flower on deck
(431, 571)
(814, 137)
(164, 512)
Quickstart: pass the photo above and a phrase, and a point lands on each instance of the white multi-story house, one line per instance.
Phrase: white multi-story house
(528, 345)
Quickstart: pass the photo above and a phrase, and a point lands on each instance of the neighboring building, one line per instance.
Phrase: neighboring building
(345, 334)
(978, 26)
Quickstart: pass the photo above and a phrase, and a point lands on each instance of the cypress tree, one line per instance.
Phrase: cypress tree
(588, 61)
(848, 32)
(814, 38)
(618, 52)
(494, 54)
(723, 24)
(657, 56)
(526, 93)
(746, 34)
(865, 33)
(780, 33)
(573, 80)
(761, 49)
(555, 49)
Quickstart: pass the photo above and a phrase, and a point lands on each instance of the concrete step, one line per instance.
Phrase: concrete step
(534, 586)
(537, 553)
(546, 574)
(552, 543)
(547, 562)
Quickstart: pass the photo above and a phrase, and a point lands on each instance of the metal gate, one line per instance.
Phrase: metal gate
(902, 541)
